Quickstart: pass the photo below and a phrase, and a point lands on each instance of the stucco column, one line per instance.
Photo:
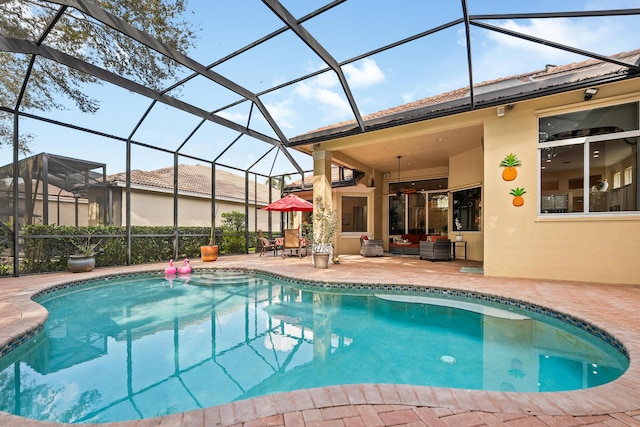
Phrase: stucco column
(322, 180)
(322, 176)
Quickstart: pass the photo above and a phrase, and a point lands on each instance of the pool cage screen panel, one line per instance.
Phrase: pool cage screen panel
(54, 190)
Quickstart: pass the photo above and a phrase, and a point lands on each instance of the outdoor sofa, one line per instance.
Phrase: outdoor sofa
(435, 250)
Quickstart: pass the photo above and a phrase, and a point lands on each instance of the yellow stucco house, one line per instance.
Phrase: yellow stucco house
(574, 134)
(80, 193)
(152, 197)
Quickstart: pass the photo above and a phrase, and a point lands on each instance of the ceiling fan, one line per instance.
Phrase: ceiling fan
(401, 192)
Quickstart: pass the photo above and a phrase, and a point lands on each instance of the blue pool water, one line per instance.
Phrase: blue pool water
(139, 347)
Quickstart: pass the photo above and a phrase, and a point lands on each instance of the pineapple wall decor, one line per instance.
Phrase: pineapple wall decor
(517, 193)
(509, 163)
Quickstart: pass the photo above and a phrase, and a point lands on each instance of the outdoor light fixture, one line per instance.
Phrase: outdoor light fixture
(500, 111)
(589, 93)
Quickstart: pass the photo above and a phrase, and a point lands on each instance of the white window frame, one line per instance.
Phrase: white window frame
(584, 142)
(628, 175)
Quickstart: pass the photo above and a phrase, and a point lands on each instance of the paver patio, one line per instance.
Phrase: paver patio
(610, 307)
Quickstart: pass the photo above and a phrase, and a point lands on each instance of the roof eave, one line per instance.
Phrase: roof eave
(526, 91)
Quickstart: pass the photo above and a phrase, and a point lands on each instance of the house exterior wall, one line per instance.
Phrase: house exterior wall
(61, 212)
(521, 243)
(153, 208)
(349, 242)
(466, 171)
(518, 241)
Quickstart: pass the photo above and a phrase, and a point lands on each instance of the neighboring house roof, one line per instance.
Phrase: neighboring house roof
(196, 179)
(38, 188)
(552, 79)
(340, 177)
(63, 174)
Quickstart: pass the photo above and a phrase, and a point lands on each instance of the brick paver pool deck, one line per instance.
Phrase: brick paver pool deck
(613, 308)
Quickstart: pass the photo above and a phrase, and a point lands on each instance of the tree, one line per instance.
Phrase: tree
(278, 182)
(82, 37)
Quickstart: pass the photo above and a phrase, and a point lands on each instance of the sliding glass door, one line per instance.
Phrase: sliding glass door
(419, 213)
(438, 214)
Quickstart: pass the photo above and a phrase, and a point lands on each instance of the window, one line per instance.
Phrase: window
(628, 173)
(354, 214)
(617, 180)
(581, 155)
(466, 208)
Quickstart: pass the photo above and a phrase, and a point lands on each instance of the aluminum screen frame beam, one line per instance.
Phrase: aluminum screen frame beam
(28, 47)
(121, 26)
(319, 50)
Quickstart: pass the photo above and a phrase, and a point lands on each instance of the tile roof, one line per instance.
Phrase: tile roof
(340, 177)
(197, 179)
(487, 93)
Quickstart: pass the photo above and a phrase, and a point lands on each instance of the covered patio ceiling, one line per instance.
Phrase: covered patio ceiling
(267, 78)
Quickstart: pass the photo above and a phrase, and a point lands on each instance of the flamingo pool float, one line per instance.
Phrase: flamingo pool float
(170, 278)
(171, 269)
(186, 268)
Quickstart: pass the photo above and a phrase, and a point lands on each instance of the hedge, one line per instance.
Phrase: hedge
(51, 250)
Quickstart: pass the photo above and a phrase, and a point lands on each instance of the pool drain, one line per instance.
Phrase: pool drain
(449, 360)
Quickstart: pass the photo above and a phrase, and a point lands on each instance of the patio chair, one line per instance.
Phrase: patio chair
(292, 241)
(438, 250)
(263, 245)
(266, 245)
(371, 247)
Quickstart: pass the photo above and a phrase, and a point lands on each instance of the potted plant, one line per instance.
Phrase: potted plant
(209, 252)
(458, 228)
(320, 232)
(84, 258)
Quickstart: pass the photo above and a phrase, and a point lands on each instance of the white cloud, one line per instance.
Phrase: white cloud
(326, 80)
(234, 117)
(332, 104)
(564, 31)
(282, 113)
(500, 55)
(368, 74)
(326, 93)
(408, 97)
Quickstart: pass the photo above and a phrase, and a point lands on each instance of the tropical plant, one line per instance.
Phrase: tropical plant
(517, 193)
(86, 248)
(322, 227)
(510, 162)
(278, 182)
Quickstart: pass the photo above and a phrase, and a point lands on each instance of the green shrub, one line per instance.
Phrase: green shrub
(232, 241)
(47, 248)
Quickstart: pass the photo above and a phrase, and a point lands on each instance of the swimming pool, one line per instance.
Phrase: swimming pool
(138, 347)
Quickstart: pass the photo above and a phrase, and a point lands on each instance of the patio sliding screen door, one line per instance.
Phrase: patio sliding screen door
(417, 219)
(407, 214)
(421, 207)
(396, 214)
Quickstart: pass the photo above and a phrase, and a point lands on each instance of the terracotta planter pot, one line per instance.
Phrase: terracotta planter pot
(81, 263)
(209, 253)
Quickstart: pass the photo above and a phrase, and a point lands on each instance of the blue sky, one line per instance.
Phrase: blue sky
(422, 68)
